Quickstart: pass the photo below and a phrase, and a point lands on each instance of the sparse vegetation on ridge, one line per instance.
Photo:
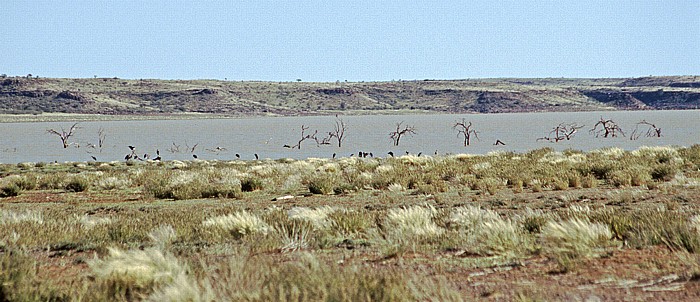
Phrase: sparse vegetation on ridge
(187, 98)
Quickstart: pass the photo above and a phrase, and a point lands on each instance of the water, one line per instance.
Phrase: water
(29, 142)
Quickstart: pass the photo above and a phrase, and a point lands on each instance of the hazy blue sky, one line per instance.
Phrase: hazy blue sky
(349, 40)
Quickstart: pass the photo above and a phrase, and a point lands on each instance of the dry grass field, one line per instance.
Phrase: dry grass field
(603, 225)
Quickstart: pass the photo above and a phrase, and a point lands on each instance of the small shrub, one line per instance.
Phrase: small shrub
(140, 269)
(77, 184)
(239, 224)
(10, 190)
(663, 172)
(412, 223)
(318, 217)
(321, 185)
(589, 181)
(561, 184)
(568, 241)
(251, 184)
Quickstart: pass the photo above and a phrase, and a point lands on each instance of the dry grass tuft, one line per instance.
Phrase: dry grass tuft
(239, 224)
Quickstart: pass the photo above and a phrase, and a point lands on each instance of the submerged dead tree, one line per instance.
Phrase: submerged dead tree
(561, 132)
(304, 137)
(401, 130)
(651, 130)
(64, 135)
(338, 132)
(465, 130)
(606, 128)
(101, 136)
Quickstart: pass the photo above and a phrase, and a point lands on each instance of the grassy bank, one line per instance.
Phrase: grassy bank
(540, 225)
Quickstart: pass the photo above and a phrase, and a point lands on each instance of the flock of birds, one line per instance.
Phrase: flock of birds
(135, 156)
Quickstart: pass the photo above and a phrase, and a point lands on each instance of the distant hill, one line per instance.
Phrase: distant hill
(113, 96)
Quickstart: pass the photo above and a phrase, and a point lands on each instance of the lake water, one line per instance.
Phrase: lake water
(266, 136)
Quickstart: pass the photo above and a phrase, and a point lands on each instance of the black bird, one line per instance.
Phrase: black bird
(333, 155)
(419, 153)
(157, 158)
(157, 152)
(238, 156)
(391, 153)
(127, 157)
(351, 155)
(146, 156)
(256, 156)
(132, 148)
(93, 157)
(436, 153)
(194, 155)
(371, 155)
(406, 152)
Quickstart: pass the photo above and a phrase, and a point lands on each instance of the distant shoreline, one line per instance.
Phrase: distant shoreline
(29, 99)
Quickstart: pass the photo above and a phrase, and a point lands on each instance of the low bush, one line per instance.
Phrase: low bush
(251, 184)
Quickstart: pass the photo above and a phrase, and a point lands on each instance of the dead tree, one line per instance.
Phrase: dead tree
(64, 135)
(561, 132)
(401, 131)
(305, 136)
(652, 130)
(338, 131)
(174, 148)
(465, 130)
(608, 128)
(101, 136)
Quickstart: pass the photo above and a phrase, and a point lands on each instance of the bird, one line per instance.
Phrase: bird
(419, 154)
(333, 155)
(436, 152)
(132, 148)
(146, 156)
(157, 158)
(238, 156)
(391, 153)
(371, 155)
(286, 146)
(157, 152)
(127, 157)
(194, 155)
(256, 156)
(93, 157)
(407, 153)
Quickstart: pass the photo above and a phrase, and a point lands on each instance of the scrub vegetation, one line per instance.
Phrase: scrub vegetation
(541, 225)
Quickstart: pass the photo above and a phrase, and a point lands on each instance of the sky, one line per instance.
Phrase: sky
(328, 41)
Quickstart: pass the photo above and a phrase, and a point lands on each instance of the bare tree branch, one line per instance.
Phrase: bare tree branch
(304, 137)
(608, 128)
(338, 132)
(652, 130)
(465, 129)
(561, 132)
(64, 135)
(396, 135)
